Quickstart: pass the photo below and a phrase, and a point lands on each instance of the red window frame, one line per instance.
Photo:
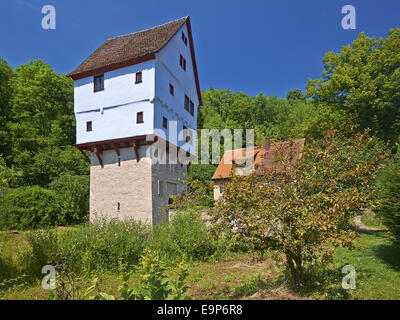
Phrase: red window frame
(97, 88)
(138, 77)
(165, 123)
(182, 62)
(186, 103)
(191, 108)
(139, 117)
(184, 38)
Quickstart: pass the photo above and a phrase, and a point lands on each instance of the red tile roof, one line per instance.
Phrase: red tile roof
(260, 156)
(134, 48)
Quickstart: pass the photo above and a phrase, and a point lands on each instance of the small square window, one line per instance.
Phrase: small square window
(165, 123)
(138, 77)
(98, 82)
(186, 105)
(89, 126)
(191, 108)
(139, 117)
(184, 39)
(182, 62)
(171, 89)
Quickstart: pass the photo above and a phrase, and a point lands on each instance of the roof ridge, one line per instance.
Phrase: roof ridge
(140, 31)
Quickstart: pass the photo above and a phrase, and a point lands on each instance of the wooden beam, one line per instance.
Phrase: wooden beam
(116, 148)
(84, 155)
(97, 150)
(136, 148)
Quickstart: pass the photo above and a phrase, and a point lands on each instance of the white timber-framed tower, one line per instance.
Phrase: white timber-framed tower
(133, 91)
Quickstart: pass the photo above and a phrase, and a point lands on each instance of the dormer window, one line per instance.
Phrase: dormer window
(139, 117)
(98, 82)
(184, 39)
(182, 62)
(89, 126)
(138, 77)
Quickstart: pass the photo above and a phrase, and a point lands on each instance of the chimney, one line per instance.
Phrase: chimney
(267, 144)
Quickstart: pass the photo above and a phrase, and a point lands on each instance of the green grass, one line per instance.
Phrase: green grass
(377, 263)
(375, 258)
(370, 219)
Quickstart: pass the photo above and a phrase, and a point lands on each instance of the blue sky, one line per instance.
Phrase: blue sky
(249, 46)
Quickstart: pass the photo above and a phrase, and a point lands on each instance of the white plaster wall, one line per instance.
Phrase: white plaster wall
(119, 88)
(129, 184)
(114, 123)
(175, 136)
(113, 110)
(168, 71)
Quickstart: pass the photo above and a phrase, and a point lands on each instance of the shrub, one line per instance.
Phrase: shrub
(42, 244)
(72, 197)
(103, 244)
(98, 246)
(155, 284)
(388, 191)
(186, 234)
(28, 208)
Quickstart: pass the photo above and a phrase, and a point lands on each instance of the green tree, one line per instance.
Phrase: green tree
(303, 209)
(6, 74)
(72, 196)
(361, 84)
(388, 192)
(42, 125)
(28, 208)
(295, 95)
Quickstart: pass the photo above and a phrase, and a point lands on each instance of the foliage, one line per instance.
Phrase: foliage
(295, 95)
(41, 245)
(303, 209)
(185, 235)
(199, 194)
(154, 283)
(361, 83)
(6, 74)
(72, 196)
(37, 123)
(98, 246)
(28, 208)
(388, 192)
(7, 176)
(102, 244)
(66, 286)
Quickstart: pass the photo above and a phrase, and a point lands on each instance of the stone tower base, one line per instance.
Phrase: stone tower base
(127, 189)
